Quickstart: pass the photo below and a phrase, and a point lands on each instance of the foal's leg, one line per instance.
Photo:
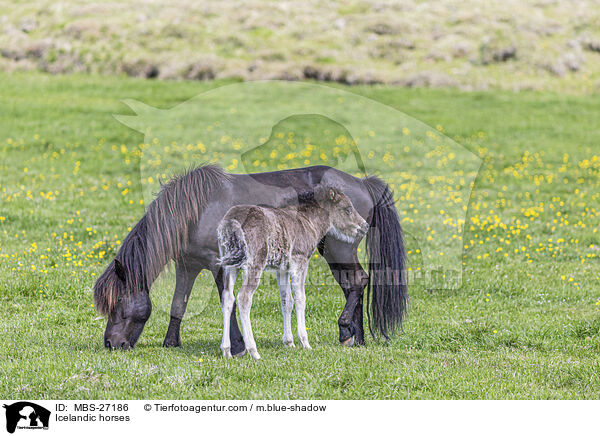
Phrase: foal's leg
(184, 282)
(287, 305)
(238, 349)
(298, 278)
(251, 280)
(227, 301)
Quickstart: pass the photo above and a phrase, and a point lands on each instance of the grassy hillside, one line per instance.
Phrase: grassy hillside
(525, 324)
(512, 44)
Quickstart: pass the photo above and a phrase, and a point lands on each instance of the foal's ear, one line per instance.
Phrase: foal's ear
(333, 195)
(120, 271)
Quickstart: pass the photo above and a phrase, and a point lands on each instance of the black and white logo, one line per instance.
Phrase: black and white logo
(26, 415)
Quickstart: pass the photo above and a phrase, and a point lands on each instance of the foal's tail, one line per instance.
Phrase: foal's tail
(387, 293)
(232, 244)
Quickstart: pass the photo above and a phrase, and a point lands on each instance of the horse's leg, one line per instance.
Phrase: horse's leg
(347, 271)
(184, 282)
(355, 279)
(238, 349)
(249, 286)
(287, 305)
(298, 278)
(357, 322)
(227, 301)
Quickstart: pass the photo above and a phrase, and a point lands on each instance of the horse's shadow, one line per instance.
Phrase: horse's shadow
(209, 347)
(213, 346)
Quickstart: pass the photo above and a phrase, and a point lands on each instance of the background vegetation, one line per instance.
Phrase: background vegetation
(508, 44)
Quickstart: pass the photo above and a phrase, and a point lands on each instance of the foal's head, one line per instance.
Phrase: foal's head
(346, 222)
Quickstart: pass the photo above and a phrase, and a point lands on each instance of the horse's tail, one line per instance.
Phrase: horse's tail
(232, 244)
(387, 293)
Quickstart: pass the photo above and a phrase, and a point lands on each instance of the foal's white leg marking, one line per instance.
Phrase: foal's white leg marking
(287, 305)
(251, 280)
(298, 277)
(227, 299)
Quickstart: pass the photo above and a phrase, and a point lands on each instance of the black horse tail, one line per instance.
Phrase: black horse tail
(232, 244)
(387, 292)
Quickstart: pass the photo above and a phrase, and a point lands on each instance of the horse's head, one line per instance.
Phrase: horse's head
(127, 320)
(346, 222)
(127, 310)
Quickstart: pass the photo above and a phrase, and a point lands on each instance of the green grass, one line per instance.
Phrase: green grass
(524, 325)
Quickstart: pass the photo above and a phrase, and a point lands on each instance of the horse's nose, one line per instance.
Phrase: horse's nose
(114, 345)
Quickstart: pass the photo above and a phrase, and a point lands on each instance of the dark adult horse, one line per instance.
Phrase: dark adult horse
(180, 225)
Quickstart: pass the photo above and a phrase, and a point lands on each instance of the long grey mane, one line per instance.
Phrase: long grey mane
(160, 236)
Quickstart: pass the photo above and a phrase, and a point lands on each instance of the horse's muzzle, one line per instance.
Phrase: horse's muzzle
(117, 345)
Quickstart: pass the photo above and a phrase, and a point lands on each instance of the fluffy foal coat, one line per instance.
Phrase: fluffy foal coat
(253, 238)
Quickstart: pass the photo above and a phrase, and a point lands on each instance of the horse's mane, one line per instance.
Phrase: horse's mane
(311, 197)
(161, 235)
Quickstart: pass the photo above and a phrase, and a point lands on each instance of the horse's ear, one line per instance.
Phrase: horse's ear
(120, 271)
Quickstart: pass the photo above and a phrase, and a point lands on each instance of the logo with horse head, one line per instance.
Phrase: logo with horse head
(26, 415)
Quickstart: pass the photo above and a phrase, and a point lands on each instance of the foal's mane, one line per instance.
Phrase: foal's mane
(161, 235)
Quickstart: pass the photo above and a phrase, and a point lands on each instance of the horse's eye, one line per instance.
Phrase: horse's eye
(349, 210)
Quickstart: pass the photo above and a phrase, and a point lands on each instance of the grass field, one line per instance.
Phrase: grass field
(525, 324)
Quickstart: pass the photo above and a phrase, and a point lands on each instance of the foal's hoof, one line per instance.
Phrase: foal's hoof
(306, 345)
(227, 353)
(241, 353)
(348, 342)
(254, 354)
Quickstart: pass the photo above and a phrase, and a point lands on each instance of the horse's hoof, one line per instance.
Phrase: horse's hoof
(346, 333)
(226, 353)
(241, 353)
(348, 342)
(171, 344)
(238, 348)
(254, 354)
(289, 344)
